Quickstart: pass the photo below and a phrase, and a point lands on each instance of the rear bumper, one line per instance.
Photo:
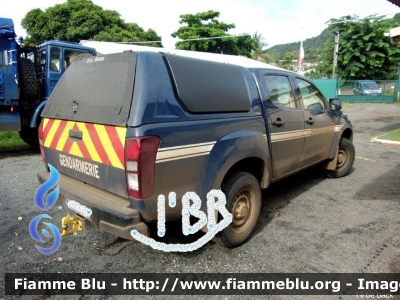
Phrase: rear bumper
(109, 212)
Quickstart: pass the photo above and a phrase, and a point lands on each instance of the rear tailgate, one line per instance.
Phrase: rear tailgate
(84, 121)
(97, 158)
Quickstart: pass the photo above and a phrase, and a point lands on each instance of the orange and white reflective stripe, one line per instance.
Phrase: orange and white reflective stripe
(100, 143)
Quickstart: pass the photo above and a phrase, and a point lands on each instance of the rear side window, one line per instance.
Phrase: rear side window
(209, 87)
(95, 90)
(280, 91)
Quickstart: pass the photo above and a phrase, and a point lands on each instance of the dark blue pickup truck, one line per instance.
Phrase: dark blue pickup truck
(124, 128)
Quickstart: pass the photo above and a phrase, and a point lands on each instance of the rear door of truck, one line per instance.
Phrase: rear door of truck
(84, 122)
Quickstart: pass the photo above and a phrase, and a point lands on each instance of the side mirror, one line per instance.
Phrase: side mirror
(315, 106)
(335, 104)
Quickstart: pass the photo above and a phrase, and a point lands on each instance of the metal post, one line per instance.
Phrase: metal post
(335, 54)
(398, 86)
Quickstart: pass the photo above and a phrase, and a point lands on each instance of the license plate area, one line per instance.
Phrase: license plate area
(80, 209)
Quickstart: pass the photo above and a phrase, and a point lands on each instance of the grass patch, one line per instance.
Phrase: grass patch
(391, 136)
(10, 139)
(397, 103)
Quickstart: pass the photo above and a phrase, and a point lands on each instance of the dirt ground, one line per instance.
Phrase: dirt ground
(309, 223)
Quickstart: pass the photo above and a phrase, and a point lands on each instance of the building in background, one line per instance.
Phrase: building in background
(394, 33)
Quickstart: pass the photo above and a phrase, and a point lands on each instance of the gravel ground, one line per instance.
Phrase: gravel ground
(309, 223)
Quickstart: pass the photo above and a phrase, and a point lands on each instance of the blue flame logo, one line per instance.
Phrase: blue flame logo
(45, 187)
(35, 234)
(51, 198)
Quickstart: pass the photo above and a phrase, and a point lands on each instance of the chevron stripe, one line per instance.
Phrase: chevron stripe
(100, 143)
(108, 146)
(88, 142)
(64, 136)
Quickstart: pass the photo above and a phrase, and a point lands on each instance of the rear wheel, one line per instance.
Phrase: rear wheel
(346, 156)
(27, 80)
(243, 201)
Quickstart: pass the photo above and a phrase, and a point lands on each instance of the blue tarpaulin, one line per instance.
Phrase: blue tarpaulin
(7, 28)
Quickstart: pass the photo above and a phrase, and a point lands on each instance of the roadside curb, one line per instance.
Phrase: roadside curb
(381, 141)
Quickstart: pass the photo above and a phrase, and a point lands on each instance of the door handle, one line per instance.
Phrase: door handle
(310, 121)
(75, 134)
(278, 122)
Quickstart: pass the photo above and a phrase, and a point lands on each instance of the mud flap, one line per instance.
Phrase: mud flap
(331, 164)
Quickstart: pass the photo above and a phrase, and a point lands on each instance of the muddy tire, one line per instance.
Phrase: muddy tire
(28, 84)
(243, 201)
(345, 160)
(29, 136)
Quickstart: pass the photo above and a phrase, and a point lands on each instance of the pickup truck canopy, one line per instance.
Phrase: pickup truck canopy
(95, 90)
(395, 2)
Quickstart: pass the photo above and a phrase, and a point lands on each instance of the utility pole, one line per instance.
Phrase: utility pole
(335, 54)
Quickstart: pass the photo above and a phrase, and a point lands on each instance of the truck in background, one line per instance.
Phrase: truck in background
(28, 75)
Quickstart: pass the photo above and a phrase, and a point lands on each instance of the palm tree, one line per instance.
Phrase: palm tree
(260, 53)
(287, 62)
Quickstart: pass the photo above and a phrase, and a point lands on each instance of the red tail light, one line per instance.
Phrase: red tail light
(40, 135)
(140, 160)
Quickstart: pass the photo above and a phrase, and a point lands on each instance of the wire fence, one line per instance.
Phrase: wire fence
(367, 87)
(359, 90)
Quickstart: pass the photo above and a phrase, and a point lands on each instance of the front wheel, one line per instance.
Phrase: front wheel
(243, 201)
(345, 160)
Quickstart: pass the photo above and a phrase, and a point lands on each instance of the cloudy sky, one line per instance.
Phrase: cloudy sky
(279, 21)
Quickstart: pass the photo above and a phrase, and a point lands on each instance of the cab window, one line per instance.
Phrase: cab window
(71, 56)
(55, 59)
(41, 57)
(280, 91)
(3, 58)
(312, 98)
(5, 61)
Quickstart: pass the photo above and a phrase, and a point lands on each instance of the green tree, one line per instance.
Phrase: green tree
(260, 53)
(364, 51)
(205, 25)
(77, 20)
(287, 62)
(325, 61)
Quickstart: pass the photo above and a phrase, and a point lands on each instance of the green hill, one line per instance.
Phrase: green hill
(312, 46)
(397, 17)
